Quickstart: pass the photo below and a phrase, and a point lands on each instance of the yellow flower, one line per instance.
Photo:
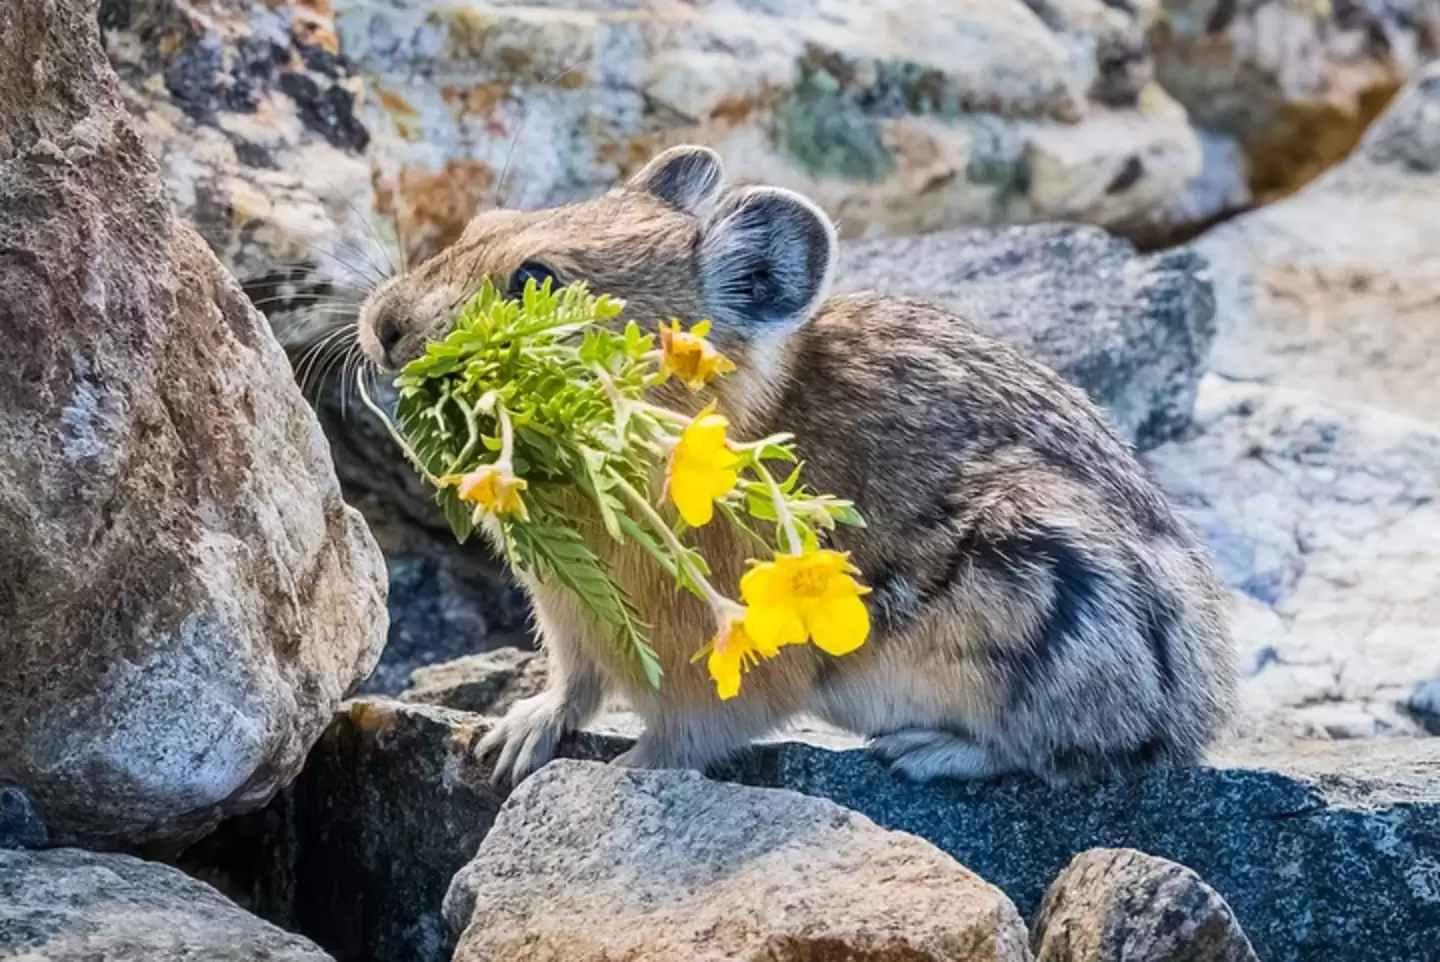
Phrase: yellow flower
(808, 596)
(690, 357)
(702, 468)
(495, 488)
(732, 652)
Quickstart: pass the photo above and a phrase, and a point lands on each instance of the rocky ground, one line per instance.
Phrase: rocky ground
(190, 593)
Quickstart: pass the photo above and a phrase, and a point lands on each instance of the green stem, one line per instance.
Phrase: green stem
(682, 556)
(472, 424)
(618, 401)
(782, 509)
(391, 429)
(507, 438)
(664, 414)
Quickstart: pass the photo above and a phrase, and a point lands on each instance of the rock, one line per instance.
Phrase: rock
(897, 116)
(186, 597)
(1327, 516)
(1323, 849)
(1295, 82)
(1326, 852)
(65, 905)
(670, 866)
(1334, 289)
(359, 851)
(1424, 704)
(1220, 190)
(1117, 905)
(1133, 332)
(486, 684)
(20, 827)
(250, 109)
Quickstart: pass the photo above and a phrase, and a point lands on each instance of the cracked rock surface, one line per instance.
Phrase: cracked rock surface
(897, 116)
(672, 867)
(252, 112)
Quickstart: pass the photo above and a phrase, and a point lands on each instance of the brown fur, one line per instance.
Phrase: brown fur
(1038, 606)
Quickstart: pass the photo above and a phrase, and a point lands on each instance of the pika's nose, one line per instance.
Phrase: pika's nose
(388, 333)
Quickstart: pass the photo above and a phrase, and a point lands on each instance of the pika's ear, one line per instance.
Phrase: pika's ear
(766, 257)
(684, 177)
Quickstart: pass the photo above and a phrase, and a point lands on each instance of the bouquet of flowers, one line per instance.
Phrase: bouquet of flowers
(528, 405)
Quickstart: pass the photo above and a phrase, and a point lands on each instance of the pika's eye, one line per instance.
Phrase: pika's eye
(531, 271)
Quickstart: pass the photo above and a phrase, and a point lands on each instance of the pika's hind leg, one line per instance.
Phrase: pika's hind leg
(925, 754)
(698, 736)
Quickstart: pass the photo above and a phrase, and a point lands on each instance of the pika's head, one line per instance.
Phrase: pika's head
(672, 242)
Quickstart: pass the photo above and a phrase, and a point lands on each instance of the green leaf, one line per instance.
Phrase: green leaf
(647, 541)
(808, 540)
(845, 513)
(760, 506)
(458, 514)
(570, 562)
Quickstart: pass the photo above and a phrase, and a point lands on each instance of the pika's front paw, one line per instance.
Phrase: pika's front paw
(526, 738)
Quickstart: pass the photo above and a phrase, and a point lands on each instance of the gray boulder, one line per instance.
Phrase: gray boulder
(590, 862)
(20, 826)
(1296, 83)
(486, 684)
(65, 905)
(1133, 332)
(897, 117)
(186, 596)
(1119, 905)
(1322, 850)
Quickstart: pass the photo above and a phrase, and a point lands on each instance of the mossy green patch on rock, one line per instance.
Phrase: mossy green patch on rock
(830, 122)
(830, 136)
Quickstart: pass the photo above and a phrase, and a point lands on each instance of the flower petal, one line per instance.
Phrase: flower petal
(724, 667)
(839, 625)
(691, 494)
(757, 586)
(772, 626)
(721, 483)
(844, 586)
(705, 436)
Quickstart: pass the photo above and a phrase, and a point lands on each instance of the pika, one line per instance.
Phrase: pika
(1037, 605)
